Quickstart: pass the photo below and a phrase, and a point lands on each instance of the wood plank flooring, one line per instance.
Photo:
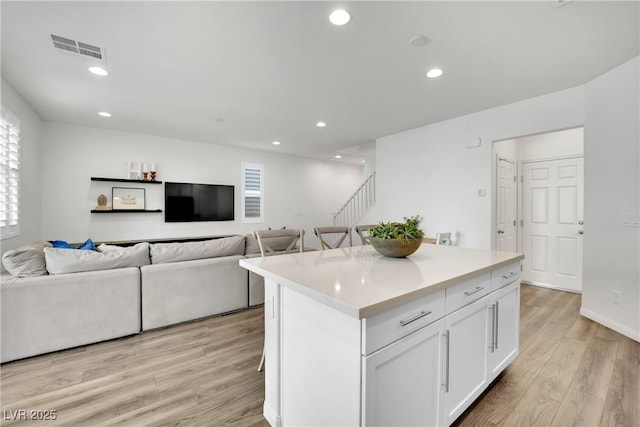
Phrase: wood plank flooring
(570, 372)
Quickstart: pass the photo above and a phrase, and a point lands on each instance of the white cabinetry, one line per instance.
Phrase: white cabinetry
(421, 363)
(271, 408)
(503, 330)
(401, 382)
(466, 362)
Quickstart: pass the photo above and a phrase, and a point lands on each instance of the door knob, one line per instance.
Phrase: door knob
(500, 232)
(581, 222)
(580, 231)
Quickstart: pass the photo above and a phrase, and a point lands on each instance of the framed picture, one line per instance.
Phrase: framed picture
(127, 198)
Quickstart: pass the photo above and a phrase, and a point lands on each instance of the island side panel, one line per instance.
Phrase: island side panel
(321, 364)
(272, 391)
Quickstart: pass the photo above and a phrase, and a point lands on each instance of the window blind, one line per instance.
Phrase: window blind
(9, 175)
(252, 193)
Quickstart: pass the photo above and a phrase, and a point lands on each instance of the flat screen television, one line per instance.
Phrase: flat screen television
(185, 202)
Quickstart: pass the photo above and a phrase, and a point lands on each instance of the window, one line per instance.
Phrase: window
(252, 193)
(9, 175)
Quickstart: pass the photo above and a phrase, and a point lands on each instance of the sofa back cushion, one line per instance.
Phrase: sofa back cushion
(60, 261)
(174, 252)
(138, 254)
(26, 261)
(252, 246)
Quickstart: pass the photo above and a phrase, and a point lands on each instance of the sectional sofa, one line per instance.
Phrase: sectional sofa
(74, 297)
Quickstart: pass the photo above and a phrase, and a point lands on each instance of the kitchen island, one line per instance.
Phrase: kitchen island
(355, 338)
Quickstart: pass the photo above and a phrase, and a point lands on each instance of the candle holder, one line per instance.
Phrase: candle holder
(145, 176)
(153, 175)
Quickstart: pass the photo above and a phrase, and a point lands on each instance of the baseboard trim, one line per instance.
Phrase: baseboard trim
(271, 416)
(545, 285)
(622, 329)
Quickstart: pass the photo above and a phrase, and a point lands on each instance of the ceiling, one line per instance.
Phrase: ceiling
(249, 73)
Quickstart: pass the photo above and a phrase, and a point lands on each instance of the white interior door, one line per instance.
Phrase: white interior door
(552, 213)
(506, 206)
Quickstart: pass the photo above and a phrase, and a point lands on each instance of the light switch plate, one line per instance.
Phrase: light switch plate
(482, 192)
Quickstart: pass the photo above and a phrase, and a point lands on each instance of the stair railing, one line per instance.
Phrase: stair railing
(358, 204)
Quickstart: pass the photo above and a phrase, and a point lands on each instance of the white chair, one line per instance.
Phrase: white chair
(338, 234)
(363, 232)
(443, 239)
(277, 242)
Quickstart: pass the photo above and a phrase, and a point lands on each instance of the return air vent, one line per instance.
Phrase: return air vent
(78, 48)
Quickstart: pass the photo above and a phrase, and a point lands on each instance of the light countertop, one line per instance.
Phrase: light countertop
(360, 282)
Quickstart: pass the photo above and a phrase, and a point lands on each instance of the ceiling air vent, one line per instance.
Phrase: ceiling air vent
(92, 51)
(64, 43)
(78, 48)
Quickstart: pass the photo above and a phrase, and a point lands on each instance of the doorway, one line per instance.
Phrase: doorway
(547, 205)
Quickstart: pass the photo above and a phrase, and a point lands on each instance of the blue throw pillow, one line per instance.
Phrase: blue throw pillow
(60, 244)
(87, 245)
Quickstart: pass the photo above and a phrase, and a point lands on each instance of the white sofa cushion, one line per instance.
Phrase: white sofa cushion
(173, 252)
(252, 246)
(183, 291)
(50, 313)
(138, 254)
(60, 261)
(26, 261)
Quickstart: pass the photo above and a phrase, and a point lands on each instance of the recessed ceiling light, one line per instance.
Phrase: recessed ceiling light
(104, 114)
(419, 41)
(338, 156)
(364, 161)
(339, 17)
(434, 72)
(99, 71)
(276, 142)
(321, 124)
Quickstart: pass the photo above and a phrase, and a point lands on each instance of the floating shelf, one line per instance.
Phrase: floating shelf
(127, 211)
(138, 181)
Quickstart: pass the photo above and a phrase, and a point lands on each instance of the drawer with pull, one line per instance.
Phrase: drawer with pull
(504, 275)
(384, 328)
(464, 293)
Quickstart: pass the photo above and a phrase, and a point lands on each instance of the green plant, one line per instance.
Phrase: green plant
(398, 230)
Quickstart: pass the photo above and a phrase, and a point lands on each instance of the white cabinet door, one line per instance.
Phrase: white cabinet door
(503, 328)
(402, 382)
(466, 357)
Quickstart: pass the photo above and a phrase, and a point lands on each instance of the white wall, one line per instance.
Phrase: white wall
(29, 168)
(299, 192)
(430, 170)
(612, 188)
(568, 142)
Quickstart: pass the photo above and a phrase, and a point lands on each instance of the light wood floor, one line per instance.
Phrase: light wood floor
(571, 371)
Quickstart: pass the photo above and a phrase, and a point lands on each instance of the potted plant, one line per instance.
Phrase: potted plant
(397, 239)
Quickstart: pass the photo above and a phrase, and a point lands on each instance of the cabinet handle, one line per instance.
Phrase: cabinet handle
(496, 323)
(493, 329)
(446, 361)
(506, 276)
(477, 289)
(414, 318)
